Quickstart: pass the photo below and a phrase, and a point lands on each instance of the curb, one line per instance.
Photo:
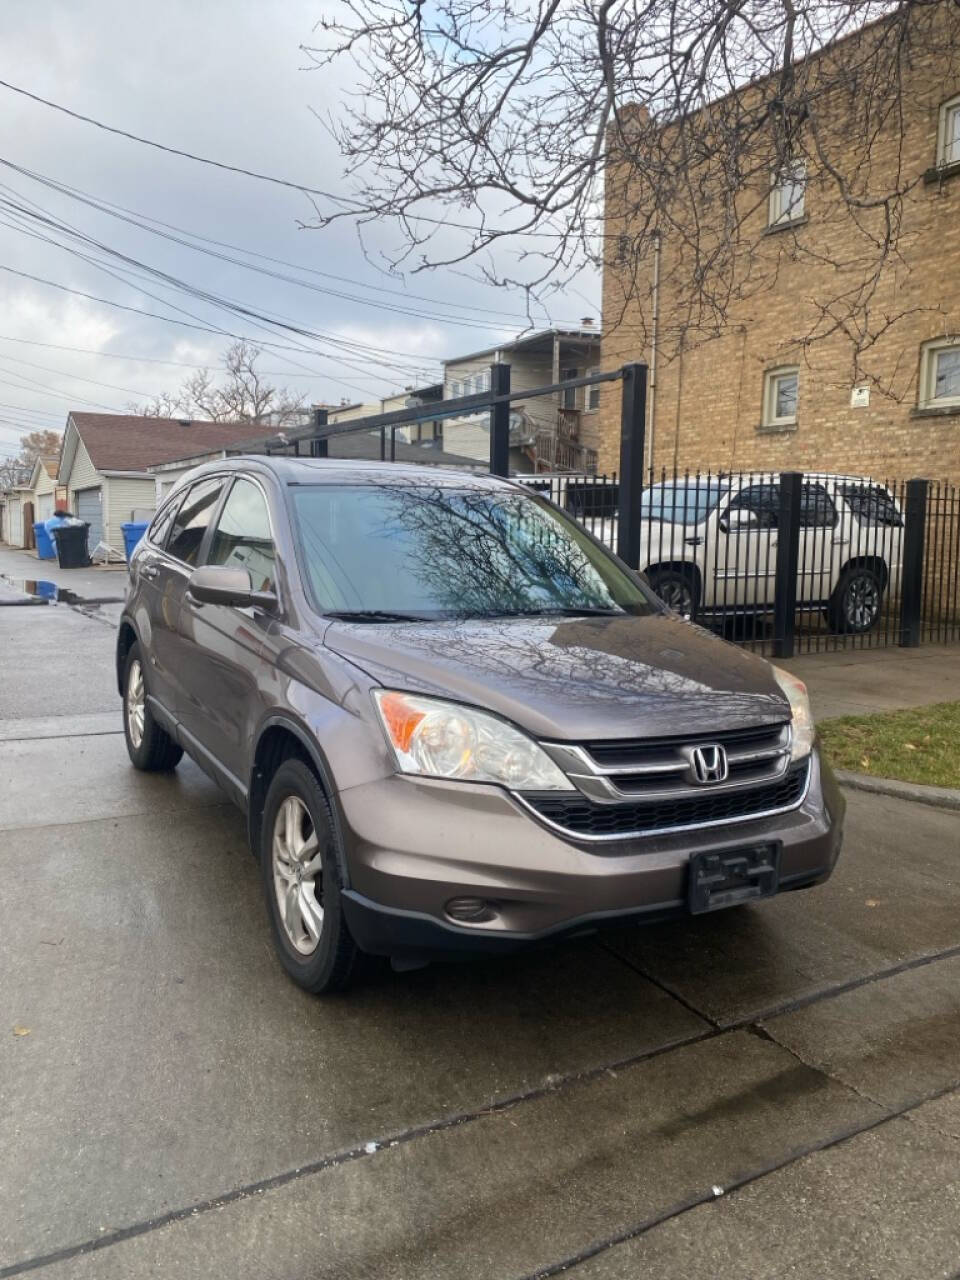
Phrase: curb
(936, 797)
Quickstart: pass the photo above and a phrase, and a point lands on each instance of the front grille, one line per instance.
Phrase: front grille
(652, 769)
(580, 816)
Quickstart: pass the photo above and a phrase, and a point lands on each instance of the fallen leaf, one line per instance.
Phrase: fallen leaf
(21, 1031)
(908, 746)
(873, 902)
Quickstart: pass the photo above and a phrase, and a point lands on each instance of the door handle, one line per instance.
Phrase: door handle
(693, 541)
(149, 570)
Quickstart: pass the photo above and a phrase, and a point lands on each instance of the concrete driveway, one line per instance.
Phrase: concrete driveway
(769, 1092)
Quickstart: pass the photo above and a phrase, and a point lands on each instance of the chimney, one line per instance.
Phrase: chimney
(587, 322)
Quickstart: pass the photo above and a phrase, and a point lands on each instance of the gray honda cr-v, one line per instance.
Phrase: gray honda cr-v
(455, 721)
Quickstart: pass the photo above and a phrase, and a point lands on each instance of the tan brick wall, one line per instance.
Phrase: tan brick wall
(708, 394)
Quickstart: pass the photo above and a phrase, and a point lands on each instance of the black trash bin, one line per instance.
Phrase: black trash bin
(72, 545)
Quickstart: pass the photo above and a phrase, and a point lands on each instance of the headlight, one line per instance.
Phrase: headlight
(796, 692)
(443, 740)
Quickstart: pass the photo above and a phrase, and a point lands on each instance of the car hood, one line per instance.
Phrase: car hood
(573, 679)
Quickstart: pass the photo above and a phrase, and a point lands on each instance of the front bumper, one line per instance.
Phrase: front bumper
(413, 844)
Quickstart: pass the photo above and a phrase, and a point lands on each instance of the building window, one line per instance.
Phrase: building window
(940, 374)
(780, 397)
(787, 187)
(455, 389)
(948, 133)
(569, 393)
(593, 394)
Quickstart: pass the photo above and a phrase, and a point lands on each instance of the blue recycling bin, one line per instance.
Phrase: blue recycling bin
(45, 548)
(133, 531)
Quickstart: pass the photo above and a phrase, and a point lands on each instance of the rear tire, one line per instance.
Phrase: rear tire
(150, 748)
(300, 866)
(857, 601)
(677, 588)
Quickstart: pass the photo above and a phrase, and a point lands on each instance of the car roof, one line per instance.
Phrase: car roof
(312, 471)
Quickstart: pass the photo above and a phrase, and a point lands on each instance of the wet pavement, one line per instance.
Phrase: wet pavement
(772, 1091)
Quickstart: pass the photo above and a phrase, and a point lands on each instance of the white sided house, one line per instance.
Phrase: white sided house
(545, 431)
(104, 461)
(46, 493)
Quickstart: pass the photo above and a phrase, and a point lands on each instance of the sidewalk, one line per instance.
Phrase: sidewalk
(860, 682)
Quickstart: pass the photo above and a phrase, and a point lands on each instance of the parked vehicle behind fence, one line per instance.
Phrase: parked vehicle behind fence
(709, 543)
(455, 720)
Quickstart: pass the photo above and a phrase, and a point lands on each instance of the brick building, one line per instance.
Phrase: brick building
(747, 388)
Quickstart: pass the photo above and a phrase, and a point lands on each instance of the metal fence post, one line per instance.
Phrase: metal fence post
(500, 421)
(633, 427)
(318, 448)
(788, 559)
(911, 581)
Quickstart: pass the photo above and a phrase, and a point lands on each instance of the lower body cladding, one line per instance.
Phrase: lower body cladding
(439, 868)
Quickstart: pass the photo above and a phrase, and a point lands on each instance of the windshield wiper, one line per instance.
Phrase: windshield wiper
(565, 611)
(374, 615)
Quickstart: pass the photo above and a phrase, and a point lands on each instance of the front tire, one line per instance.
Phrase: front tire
(301, 879)
(150, 748)
(677, 589)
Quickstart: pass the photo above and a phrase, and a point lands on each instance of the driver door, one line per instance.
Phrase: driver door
(746, 558)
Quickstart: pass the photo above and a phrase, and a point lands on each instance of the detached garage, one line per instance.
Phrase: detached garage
(104, 460)
(46, 492)
(18, 505)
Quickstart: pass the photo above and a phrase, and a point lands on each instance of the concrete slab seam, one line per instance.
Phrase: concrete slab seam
(369, 1149)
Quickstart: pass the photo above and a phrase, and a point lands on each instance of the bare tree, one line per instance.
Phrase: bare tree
(39, 444)
(242, 395)
(482, 125)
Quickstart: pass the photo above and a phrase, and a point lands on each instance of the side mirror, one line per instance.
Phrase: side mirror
(738, 520)
(221, 584)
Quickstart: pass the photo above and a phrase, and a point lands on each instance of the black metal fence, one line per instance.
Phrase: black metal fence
(780, 563)
(789, 563)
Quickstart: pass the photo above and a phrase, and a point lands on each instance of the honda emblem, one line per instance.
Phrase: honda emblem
(709, 764)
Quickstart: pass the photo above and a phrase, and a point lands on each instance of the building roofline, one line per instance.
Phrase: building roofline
(537, 336)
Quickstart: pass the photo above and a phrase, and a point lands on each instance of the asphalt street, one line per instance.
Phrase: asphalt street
(769, 1092)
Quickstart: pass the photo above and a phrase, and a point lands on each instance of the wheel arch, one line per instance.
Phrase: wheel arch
(126, 638)
(687, 567)
(877, 563)
(282, 738)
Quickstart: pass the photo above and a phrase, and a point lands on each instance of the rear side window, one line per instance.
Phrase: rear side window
(871, 504)
(242, 538)
(192, 520)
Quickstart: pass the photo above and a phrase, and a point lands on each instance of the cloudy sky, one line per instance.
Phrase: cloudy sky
(224, 79)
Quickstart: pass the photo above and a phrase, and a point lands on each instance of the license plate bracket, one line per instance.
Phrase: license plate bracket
(726, 877)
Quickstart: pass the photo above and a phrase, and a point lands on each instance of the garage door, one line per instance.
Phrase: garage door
(90, 508)
(44, 506)
(14, 522)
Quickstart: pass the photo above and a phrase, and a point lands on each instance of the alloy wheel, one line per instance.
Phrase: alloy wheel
(679, 597)
(136, 704)
(298, 875)
(861, 602)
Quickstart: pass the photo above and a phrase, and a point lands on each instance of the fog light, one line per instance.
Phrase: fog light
(470, 910)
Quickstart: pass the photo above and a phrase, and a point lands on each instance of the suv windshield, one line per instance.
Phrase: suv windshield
(407, 550)
(688, 503)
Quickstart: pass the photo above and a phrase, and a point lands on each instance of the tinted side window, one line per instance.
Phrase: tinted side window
(242, 538)
(816, 508)
(192, 519)
(763, 500)
(157, 533)
(871, 504)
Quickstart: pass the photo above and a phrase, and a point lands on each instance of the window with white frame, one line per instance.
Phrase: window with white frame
(940, 374)
(948, 133)
(787, 187)
(455, 389)
(593, 394)
(780, 388)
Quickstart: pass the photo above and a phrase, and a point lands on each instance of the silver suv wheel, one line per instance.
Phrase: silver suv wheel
(135, 703)
(297, 875)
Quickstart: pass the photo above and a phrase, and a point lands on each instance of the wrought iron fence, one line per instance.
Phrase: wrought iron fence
(791, 563)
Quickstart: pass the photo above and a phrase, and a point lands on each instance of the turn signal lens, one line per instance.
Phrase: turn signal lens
(438, 739)
(801, 715)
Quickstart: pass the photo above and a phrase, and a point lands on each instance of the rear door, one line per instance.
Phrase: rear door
(821, 541)
(222, 645)
(173, 566)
